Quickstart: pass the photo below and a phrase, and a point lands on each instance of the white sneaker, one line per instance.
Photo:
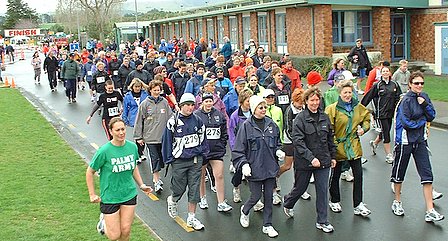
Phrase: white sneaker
(326, 227)
(213, 188)
(172, 207)
(305, 196)
(100, 227)
(276, 199)
(270, 231)
(244, 219)
(236, 195)
(433, 216)
(289, 212)
(436, 195)
(224, 207)
(362, 210)
(232, 168)
(373, 146)
(258, 206)
(312, 178)
(397, 208)
(203, 203)
(194, 223)
(390, 158)
(335, 207)
(347, 176)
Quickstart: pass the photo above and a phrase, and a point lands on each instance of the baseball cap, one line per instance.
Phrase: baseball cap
(268, 92)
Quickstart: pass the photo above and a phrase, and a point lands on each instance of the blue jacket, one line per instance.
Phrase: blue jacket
(188, 140)
(215, 132)
(411, 118)
(225, 85)
(88, 70)
(231, 101)
(262, 74)
(257, 147)
(226, 50)
(194, 85)
(130, 107)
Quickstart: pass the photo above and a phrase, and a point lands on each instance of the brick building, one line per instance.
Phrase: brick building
(399, 29)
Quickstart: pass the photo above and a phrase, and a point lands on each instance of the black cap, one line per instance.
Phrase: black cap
(71, 55)
(211, 75)
(240, 80)
(138, 62)
(207, 95)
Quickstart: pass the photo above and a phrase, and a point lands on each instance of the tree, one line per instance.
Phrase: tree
(19, 14)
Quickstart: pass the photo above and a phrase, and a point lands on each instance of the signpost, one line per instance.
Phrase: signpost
(73, 47)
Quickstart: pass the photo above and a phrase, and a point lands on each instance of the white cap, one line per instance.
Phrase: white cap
(348, 75)
(254, 101)
(187, 97)
(268, 92)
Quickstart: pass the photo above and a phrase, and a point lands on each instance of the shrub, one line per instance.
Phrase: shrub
(305, 64)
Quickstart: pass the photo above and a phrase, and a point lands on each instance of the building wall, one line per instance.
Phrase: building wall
(322, 32)
(272, 31)
(254, 26)
(422, 34)
(226, 28)
(204, 29)
(298, 22)
(239, 18)
(381, 31)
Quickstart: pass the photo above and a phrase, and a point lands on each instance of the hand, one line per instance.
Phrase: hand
(315, 162)
(420, 100)
(88, 119)
(246, 170)
(177, 107)
(141, 142)
(280, 154)
(146, 189)
(95, 198)
(360, 131)
(333, 163)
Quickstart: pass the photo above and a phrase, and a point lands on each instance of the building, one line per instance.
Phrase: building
(399, 29)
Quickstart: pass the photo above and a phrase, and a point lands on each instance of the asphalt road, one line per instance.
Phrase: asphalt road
(382, 224)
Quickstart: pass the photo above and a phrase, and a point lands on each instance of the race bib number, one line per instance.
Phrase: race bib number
(213, 133)
(100, 80)
(283, 99)
(191, 141)
(115, 72)
(89, 73)
(113, 111)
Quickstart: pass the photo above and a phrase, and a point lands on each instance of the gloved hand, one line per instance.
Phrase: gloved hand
(280, 154)
(246, 170)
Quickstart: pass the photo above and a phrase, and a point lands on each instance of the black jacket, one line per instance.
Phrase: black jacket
(215, 132)
(311, 140)
(385, 96)
(179, 83)
(51, 64)
(363, 59)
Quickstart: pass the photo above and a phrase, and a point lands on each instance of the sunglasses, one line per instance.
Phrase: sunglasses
(418, 83)
(262, 107)
(270, 97)
(219, 72)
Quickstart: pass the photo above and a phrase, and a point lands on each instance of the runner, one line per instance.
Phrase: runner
(36, 62)
(118, 194)
(51, 67)
(69, 73)
(150, 122)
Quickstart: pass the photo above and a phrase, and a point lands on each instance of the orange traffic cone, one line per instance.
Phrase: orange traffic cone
(6, 82)
(13, 84)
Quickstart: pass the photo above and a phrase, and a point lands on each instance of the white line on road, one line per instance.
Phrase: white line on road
(95, 146)
(63, 119)
(82, 135)
(71, 126)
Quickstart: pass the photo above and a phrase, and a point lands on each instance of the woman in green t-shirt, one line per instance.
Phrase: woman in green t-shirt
(116, 161)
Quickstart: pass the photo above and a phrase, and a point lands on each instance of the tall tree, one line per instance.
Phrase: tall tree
(19, 14)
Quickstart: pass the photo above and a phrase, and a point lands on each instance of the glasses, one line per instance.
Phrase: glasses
(270, 97)
(262, 107)
(163, 71)
(254, 80)
(219, 72)
(418, 83)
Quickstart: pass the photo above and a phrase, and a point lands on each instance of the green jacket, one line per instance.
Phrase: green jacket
(345, 126)
(332, 95)
(276, 115)
(70, 69)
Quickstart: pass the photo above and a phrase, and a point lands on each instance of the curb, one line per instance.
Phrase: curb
(439, 125)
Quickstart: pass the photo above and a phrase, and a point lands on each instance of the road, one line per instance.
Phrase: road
(69, 120)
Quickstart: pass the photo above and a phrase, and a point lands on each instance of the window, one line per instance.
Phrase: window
(263, 32)
(210, 29)
(220, 33)
(166, 32)
(246, 31)
(348, 26)
(200, 29)
(192, 29)
(280, 28)
(184, 30)
(233, 25)
(177, 30)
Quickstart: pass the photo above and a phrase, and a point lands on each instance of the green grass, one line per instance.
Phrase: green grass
(43, 195)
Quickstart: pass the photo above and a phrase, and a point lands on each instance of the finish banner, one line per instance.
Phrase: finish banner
(22, 32)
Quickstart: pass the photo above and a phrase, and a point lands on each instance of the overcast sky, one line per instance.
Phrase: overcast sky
(45, 6)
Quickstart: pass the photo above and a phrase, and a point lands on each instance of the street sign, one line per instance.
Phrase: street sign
(73, 47)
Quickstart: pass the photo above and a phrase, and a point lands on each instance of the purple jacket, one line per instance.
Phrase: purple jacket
(236, 119)
(333, 72)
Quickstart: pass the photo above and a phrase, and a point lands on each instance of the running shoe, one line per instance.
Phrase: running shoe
(213, 188)
(172, 207)
(347, 176)
(390, 158)
(305, 196)
(276, 199)
(335, 207)
(362, 210)
(194, 223)
(73, 100)
(232, 168)
(397, 208)
(436, 195)
(270, 231)
(203, 203)
(363, 160)
(373, 146)
(244, 219)
(289, 212)
(258, 206)
(69, 100)
(100, 227)
(236, 195)
(326, 227)
(433, 216)
(224, 207)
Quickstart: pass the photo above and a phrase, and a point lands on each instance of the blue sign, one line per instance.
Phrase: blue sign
(73, 47)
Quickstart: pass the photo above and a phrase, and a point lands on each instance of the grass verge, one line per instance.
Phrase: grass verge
(42, 181)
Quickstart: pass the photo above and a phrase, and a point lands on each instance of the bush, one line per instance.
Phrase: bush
(305, 64)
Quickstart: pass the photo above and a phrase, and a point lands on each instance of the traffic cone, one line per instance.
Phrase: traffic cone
(6, 82)
(13, 84)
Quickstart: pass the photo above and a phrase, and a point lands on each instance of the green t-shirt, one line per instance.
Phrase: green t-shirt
(116, 165)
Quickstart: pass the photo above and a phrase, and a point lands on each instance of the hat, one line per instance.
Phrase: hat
(347, 75)
(219, 69)
(207, 81)
(268, 92)
(187, 98)
(211, 75)
(189, 53)
(71, 55)
(138, 62)
(240, 80)
(254, 101)
(207, 95)
(313, 78)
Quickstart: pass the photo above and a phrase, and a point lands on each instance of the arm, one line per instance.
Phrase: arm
(91, 185)
(139, 181)
(404, 116)
(369, 96)
(298, 140)
(240, 148)
(138, 126)
(94, 109)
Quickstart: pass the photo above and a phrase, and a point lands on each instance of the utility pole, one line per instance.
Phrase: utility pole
(136, 20)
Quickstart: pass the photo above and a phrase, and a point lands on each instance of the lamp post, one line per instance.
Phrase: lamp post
(136, 20)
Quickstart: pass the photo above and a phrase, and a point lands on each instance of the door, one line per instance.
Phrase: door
(398, 44)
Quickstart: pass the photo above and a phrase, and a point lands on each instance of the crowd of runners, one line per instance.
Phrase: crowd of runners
(189, 103)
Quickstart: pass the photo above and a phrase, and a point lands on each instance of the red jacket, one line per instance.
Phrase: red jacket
(294, 76)
(234, 72)
(371, 79)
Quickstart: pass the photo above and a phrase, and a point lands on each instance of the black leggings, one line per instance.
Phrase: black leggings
(335, 195)
(385, 125)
